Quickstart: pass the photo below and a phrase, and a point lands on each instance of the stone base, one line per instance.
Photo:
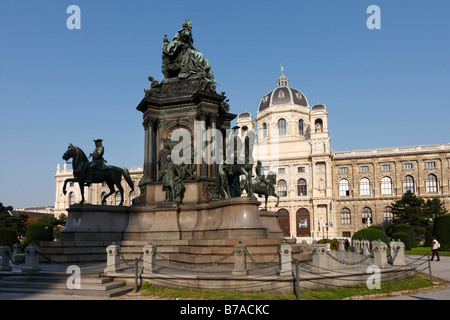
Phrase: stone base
(190, 233)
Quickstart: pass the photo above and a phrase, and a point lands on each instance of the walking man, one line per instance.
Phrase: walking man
(435, 249)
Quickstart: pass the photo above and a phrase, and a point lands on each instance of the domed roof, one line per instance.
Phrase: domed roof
(283, 94)
(318, 107)
(244, 115)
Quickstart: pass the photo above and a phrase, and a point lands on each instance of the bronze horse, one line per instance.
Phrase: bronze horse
(112, 175)
(267, 188)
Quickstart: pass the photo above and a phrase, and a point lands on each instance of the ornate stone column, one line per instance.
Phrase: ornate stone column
(215, 166)
(149, 151)
(201, 143)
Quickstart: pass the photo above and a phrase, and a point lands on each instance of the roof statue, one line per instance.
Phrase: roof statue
(181, 59)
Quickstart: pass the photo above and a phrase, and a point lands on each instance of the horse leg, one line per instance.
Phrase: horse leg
(81, 184)
(119, 186)
(111, 190)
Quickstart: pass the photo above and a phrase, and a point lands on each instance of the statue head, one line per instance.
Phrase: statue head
(187, 24)
(98, 142)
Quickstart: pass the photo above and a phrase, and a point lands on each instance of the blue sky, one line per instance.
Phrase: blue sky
(382, 88)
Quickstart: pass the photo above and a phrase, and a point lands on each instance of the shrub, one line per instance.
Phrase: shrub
(38, 231)
(371, 234)
(403, 237)
(409, 230)
(8, 237)
(441, 229)
(428, 236)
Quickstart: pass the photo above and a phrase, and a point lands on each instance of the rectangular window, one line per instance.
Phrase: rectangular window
(364, 168)
(281, 170)
(346, 234)
(386, 167)
(431, 164)
(301, 169)
(343, 170)
(407, 166)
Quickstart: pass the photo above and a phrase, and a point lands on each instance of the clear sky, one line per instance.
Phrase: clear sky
(382, 88)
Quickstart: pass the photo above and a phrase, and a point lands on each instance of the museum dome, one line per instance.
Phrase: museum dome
(283, 95)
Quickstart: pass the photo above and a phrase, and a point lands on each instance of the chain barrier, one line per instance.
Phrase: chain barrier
(262, 266)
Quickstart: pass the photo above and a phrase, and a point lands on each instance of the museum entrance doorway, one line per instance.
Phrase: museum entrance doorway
(303, 225)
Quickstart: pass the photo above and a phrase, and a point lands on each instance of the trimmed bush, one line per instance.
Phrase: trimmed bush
(371, 234)
(38, 231)
(8, 237)
(441, 229)
(409, 230)
(403, 237)
(428, 236)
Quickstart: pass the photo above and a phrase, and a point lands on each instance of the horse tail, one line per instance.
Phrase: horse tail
(126, 175)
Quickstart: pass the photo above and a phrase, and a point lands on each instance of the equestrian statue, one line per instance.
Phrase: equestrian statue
(86, 172)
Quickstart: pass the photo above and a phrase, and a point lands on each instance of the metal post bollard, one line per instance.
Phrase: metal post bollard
(284, 256)
(149, 258)
(379, 253)
(4, 254)
(31, 258)
(240, 263)
(112, 258)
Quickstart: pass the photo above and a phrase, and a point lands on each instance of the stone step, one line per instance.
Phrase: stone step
(56, 283)
(78, 292)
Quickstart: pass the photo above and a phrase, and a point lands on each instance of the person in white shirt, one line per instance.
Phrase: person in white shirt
(435, 249)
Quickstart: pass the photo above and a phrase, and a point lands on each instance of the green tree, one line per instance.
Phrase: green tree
(411, 210)
(17, 223)
(434, 208)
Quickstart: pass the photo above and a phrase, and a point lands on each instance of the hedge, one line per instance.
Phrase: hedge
(428, 236)
(409, 230)
(8, 237)
(403, 237)
(441, 230)
(371, 234)
(38, 231)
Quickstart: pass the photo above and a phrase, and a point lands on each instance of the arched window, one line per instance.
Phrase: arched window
(432, 186)
(283, 220)
(387, 214)
(281, 127)
(345, 216)
(366, 215)
(364, 187)
(344, 190)
(386, 185)
(264, 130)
(318, 125)
(408, 184)
(282, 188)
(301, 187)
(300, 127)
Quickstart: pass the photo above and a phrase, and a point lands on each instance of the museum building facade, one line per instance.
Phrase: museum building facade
(322, 193)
